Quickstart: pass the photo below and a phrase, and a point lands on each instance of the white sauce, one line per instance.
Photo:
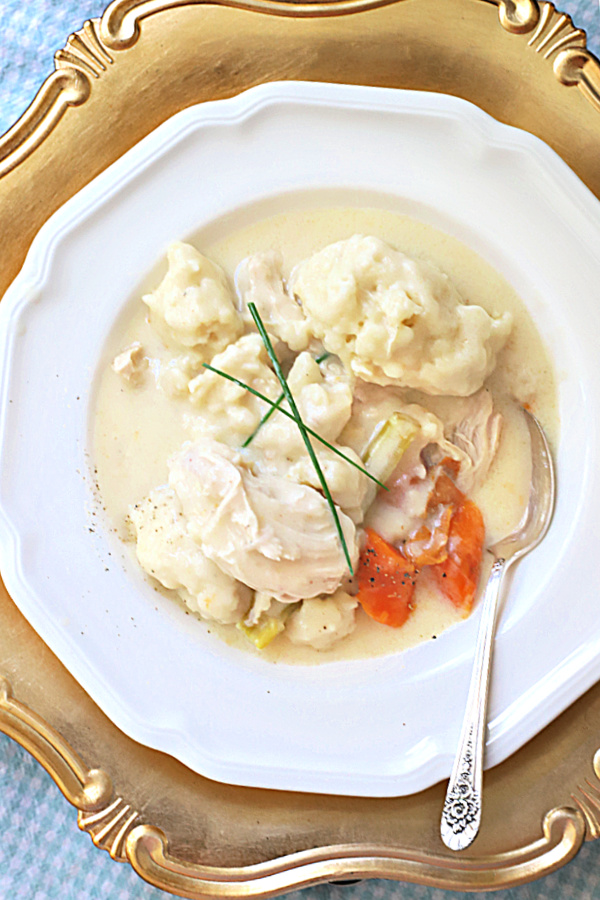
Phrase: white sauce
(137, 427)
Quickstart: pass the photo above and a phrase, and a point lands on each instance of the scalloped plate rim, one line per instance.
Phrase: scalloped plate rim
(35, 270)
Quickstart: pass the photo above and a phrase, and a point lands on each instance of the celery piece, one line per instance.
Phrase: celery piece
(265, 631)
(388, 444)
(268, 627)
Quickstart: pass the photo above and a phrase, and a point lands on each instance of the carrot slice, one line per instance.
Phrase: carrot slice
(444, 493)
(386, 582)
(458, 576)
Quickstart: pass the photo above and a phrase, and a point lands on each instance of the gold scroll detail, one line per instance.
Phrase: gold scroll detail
(518, 16)
(62, 89)
(147, 851)
(587, 800)
(553, 35)
(110, 827)
(117, 828)
(120, 24)
(88, 789)
(87, 54)
(107, 819)
(83, 59)
(578, 67)
(554, 32)
(85, 51)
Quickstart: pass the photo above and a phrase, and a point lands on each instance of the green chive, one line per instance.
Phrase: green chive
(264, 419)
(280, 400)
(302, 428)
(274, 404)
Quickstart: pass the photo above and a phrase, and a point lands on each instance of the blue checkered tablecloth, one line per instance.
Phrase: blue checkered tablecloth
(43, 855)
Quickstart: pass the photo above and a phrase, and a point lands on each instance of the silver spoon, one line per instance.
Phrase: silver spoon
(461, 816)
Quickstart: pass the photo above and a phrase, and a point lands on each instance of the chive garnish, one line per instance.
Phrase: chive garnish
(264, 419)
(302, 428)
(277, 404)
(274, 404)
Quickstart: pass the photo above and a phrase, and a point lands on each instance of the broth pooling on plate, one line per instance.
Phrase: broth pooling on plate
(403, 350)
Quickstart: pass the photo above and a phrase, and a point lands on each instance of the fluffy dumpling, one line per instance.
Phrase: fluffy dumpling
(226, 411)
(193, 305)
(322, 622)
(166, 551)
(324, 398)
(395, 320)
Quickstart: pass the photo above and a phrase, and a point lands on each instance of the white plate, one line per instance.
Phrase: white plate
(377, 727)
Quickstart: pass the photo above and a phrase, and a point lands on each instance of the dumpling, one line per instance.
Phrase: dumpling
(393, 320)
(166, 551)
(324, 398)
(193, 305)
(226, 411)
(322, 622)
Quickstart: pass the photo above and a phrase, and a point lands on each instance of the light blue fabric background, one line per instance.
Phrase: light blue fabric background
(43, 855)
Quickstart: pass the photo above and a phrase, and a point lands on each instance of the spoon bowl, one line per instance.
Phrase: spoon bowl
(540, 506)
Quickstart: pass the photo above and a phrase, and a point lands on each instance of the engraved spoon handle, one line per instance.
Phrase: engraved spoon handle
(461, 815)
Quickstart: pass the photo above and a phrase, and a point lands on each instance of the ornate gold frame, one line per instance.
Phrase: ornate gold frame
(179, 831)
(91, 50)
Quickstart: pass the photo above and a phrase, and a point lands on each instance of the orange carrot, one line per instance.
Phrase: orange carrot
(458, 576)
(386, 582)
(444, 492)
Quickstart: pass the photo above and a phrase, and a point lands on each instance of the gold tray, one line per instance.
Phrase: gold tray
(116, 80)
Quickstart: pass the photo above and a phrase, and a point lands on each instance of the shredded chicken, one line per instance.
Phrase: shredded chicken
(263, 604)
(259, 280)
(277, 536)
(472, 435)
(131, 363)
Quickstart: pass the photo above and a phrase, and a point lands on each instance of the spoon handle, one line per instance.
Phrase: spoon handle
(461, 816)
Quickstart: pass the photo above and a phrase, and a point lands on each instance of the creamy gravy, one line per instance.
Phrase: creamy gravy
(137, 428)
